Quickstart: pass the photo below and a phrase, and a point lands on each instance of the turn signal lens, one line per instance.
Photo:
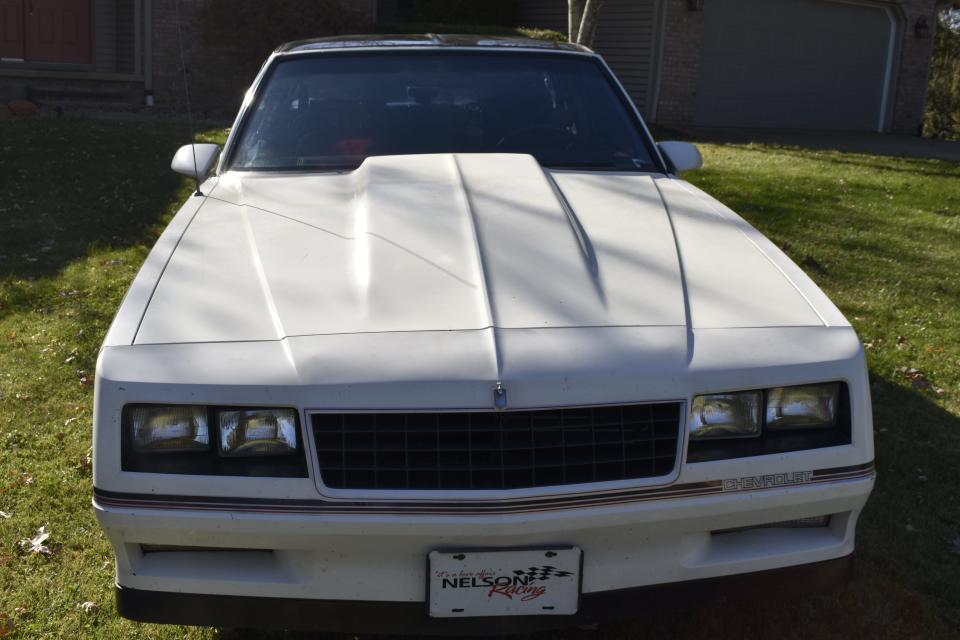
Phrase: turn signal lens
(258, 432)
(726, 415)
(807, 407)
(169, 429)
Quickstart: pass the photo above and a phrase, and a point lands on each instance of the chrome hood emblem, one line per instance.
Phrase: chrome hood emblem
(499, 396)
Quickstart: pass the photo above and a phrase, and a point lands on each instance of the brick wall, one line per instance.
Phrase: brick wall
(680, 64)
(913, 72)
(682, 51)
(217, 81)
(215, 88)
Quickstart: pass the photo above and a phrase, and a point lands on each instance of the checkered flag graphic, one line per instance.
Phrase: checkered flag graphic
(542, 573)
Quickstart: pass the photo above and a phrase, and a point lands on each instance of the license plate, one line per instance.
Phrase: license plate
(525, 582)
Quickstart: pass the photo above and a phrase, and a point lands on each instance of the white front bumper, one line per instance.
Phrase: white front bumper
(382, 557)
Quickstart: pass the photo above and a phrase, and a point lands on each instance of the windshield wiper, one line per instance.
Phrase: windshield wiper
(301, 168)
(600, 166)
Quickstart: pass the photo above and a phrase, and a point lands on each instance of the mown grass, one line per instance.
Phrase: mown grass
(82, 201)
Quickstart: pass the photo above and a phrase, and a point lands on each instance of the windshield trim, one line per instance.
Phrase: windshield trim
(254, 94)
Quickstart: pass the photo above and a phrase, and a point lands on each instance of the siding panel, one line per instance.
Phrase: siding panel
(626, 38)
(126, 31)
(105, 35)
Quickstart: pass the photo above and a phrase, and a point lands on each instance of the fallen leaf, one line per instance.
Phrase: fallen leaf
(6, 625)
(4, 514)
(35, 545)
(86, 463)
(88, 606)
(26, 478)
(69, 420)
(917, 377)
(20, 610)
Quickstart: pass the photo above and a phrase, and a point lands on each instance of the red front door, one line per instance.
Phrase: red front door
(58, 30)
(12, 22)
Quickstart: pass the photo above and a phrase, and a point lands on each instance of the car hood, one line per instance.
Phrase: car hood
(465, 242)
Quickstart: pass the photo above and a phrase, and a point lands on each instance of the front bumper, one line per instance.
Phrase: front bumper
(376, 617)
(309, 564)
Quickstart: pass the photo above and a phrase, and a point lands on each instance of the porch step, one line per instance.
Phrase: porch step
(77, 95)
(90, 97)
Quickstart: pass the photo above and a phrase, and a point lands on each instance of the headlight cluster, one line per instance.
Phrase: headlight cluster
(759, 422)
(212, 440)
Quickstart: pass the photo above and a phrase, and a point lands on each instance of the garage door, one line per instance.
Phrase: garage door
(800, 64)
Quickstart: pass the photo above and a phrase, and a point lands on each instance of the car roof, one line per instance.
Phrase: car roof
(428, 40)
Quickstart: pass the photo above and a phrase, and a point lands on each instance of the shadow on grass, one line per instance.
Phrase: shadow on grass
(71, 188)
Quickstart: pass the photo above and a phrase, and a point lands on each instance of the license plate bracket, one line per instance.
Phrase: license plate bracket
(504, 582)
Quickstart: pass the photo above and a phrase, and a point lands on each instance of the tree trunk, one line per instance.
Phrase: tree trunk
(574, 17)
(589, 14)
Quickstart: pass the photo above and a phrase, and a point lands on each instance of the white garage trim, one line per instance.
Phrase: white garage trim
(891, 56)
(888, 79)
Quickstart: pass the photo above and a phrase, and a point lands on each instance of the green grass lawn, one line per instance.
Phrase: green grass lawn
(81, 202)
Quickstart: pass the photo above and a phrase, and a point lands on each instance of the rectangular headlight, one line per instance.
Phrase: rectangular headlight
(726, 415)
(804, 407)
(169, 429)
(257, 432)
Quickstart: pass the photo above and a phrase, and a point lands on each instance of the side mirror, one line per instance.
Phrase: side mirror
(195, 160)
(681, 156)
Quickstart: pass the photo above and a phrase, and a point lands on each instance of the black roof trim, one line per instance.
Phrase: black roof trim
(427, 39)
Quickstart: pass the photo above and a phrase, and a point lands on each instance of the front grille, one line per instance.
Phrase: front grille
(496, 450)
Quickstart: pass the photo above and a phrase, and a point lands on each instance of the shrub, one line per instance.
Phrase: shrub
(251, 29)
(488, 12)
(394, 28)
(943, 97)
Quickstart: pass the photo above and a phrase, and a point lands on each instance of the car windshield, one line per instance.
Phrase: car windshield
(331, 111)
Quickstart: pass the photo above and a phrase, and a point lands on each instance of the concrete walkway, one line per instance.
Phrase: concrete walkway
(855, 142)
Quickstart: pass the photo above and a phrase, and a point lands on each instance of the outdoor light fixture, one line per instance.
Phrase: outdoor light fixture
(921, 29)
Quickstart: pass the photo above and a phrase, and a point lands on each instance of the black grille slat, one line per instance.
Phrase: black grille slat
(496, 450)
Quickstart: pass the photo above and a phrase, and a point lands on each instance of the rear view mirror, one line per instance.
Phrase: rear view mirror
(195, 160)
(681, 156)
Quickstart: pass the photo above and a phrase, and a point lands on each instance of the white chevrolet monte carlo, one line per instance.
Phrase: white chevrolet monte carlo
(443, 344)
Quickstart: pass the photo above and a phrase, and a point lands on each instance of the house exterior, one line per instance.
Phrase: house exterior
(858, 65)
(55, 48)
(855, 65)
(119, 54)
